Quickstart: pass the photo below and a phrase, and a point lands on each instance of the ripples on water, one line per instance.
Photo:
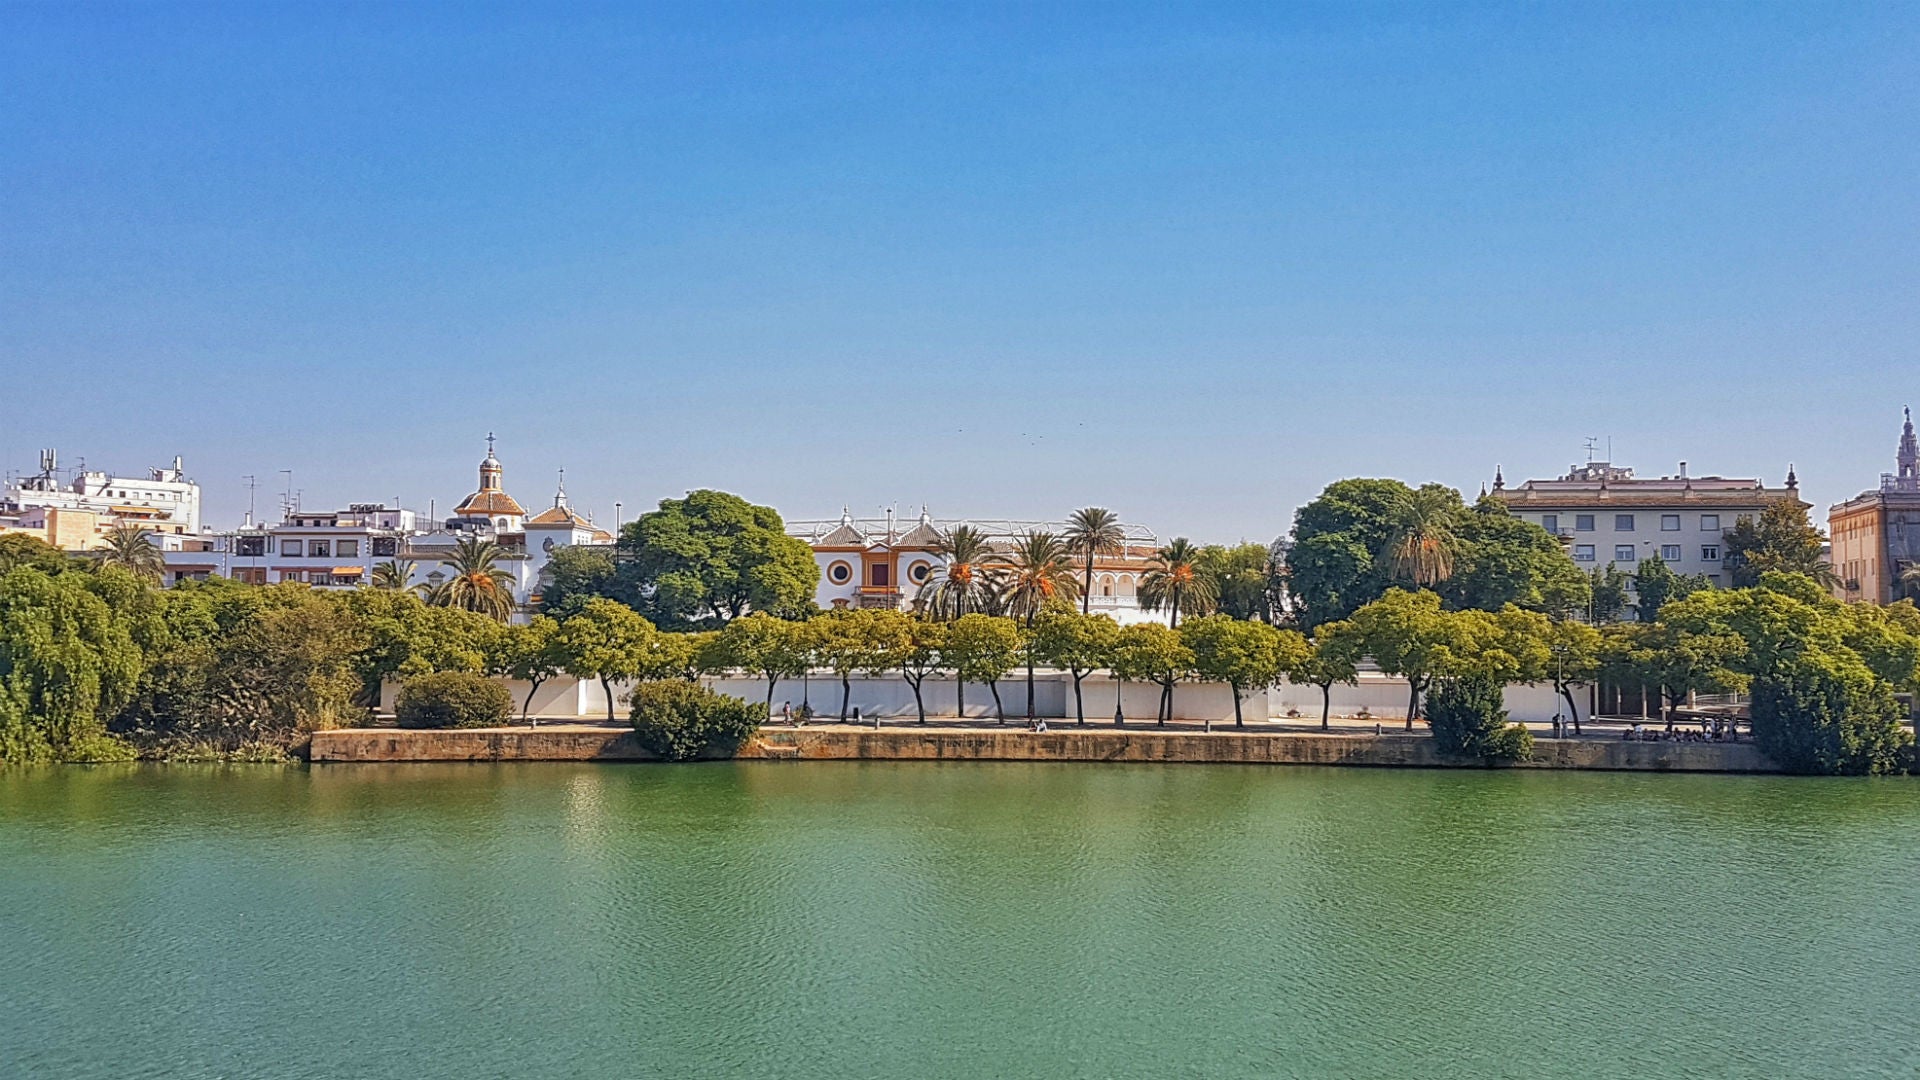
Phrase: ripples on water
(922, 920)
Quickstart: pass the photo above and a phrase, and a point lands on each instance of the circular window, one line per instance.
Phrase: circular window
(839, 573)
(919, 572)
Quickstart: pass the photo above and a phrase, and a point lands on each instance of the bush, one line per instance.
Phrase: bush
(1469, 717)
(1823, 715)
(678, 720)
(452, 699)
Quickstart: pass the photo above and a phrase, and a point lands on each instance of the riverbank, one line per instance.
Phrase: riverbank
(835, 742)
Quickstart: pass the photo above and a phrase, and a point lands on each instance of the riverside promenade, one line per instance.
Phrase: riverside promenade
(1179, 743)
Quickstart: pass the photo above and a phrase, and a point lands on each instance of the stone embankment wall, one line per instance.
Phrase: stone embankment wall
(1406, 751)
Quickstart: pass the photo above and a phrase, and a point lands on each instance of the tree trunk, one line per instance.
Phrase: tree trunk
(1326, 706)
(1573, 711)
(1413, 701)
(527, 705)
(1236, 709)
(846, 691)
(1086, 594)
(772, 685)
(1079, 705)
(999, 709)
(960, 695)
(1029, 689)
(1166, 705)
(607, 685)
(918, 705)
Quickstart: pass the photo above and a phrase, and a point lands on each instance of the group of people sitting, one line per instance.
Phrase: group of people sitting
(1710, 731)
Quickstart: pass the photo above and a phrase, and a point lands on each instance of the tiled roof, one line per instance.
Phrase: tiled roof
(559, 515)
(489, 504)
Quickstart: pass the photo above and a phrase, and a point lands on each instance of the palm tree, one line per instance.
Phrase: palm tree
(963, 582)
(1173, 581)
(478, 583)
(1091, 532)
(394, 575)
(1038, 571)
(129, 548)
(1423, 542)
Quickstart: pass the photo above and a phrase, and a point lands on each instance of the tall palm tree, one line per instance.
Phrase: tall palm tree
(1038, 571)
(129, 548)
(1174, 581)
(1423, 543)
(394, 575)
(963, 582)
(478, 583)
(1092, 532)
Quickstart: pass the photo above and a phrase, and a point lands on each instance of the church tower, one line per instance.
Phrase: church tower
(491, 505)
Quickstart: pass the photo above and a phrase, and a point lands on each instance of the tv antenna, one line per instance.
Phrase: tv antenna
(1593, 444)
(252, 482)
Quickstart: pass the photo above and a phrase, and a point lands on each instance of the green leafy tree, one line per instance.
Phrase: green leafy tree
(1676, 662)
(963, 578)
(679, 721)
(607, 641)
(711, 557)
(922, 656)
(452, 699)
(1093, 531)
(67, 665)
(129, 547)
(1241, 578)
(1612, 594)
(20, 549)
(1332, 656)
(531, 654)
(1782, 539)
(1826, 713)
(1245, 655)
(769, 647)
(864, 640)
(478, 583)
(1504, 560)
(1408, 635)
(575, 573)
(1149, 652)
(1655, 583)
(1077, 643)
(982, 649)
(1468, 716)
(1336, 562)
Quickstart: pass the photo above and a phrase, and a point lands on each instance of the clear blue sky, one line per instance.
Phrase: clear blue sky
(1191, 263)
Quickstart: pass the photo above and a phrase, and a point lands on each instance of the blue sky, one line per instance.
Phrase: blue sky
(1192, 263)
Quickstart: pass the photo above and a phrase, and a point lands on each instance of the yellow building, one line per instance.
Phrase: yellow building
(1876, 534)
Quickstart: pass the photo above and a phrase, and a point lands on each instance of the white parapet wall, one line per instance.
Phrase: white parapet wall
(1376, 695)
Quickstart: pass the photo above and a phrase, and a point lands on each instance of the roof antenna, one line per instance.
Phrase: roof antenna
(1593, 444)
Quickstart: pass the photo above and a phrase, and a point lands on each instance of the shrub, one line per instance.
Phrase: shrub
(677, 720)
(452, 699)
(1469, 716)
(1820, 714)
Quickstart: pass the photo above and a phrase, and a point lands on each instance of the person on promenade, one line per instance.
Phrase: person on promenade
(786, 712)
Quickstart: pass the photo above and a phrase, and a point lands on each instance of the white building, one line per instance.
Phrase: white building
(876, 563)
(164, 500)
(1604, 514)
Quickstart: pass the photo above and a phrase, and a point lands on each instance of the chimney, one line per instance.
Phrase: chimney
(1683, 470)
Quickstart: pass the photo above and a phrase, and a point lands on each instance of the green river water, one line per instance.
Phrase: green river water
(912, 920)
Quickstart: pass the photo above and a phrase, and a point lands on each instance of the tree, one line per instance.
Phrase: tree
(479, 583)
(393, 575)
(1675, 662)
(982, 649)
(1423, 547)
(923, 655)
(769, 647)
(1241, 579)
(1408, 635)
(962, 582)
(1139, 653)
(1080, 644)
(1655, 583)
(1173, 581)
(1092, 532)
(1244, 655)
(452, 699)
(1333, 656)
(863, 640)
(711, 557)
(532, 654)
(1335, 564)
(1827, 713)
(20, 549)
(1468, 716)
(1502, 559)
(1782, 539)
(678, 721)
(576, 572)
(1035, 574)
(606, 640)
(1611, 591)
(67, 665)
(130, 548)
(1574, 654)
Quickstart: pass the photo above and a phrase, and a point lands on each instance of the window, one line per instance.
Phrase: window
(1623, 553)
(250, 545)
(1669, 522)
(318, 547)
(349, 549)
(1551, 523)
(919, 572)
(882, 575)
(1709, 522)
(1583, 553)
(252, 575)
(1710, 552)
(386, 545)
(839, 573)
(1583, 523)
(289, 547)
(1670, 552)
(1623, 523)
